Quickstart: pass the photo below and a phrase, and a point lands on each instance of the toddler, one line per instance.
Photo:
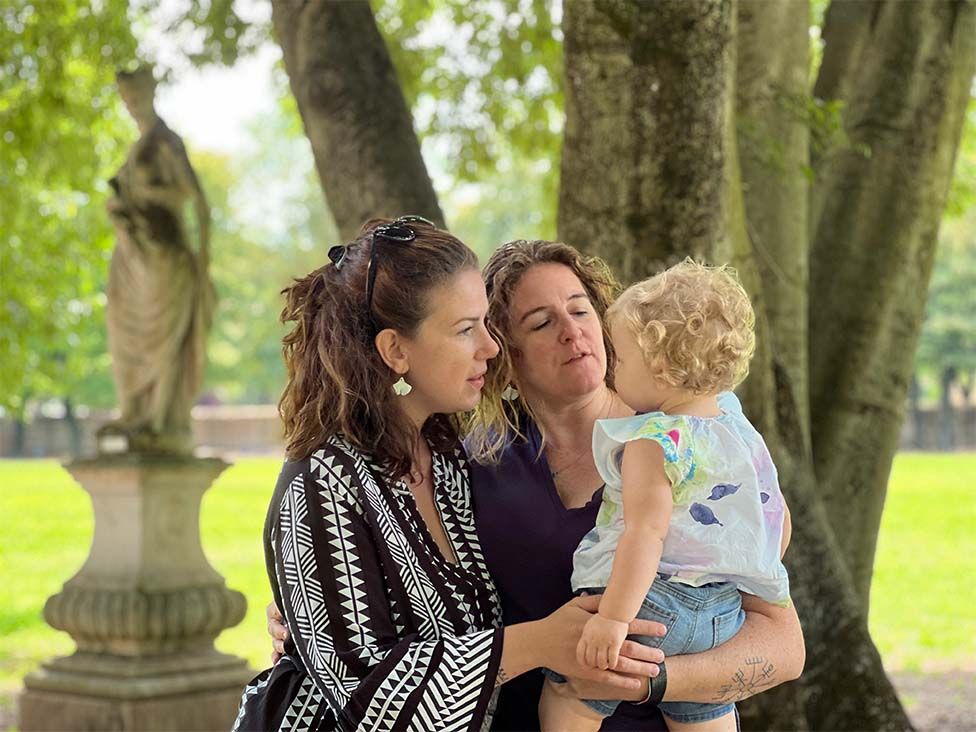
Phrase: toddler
(692, 512)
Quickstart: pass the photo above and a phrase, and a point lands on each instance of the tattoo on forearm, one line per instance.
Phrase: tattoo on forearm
(756, 675)
(501, 678)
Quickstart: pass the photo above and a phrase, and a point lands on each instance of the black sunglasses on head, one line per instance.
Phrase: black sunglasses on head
(396, 231)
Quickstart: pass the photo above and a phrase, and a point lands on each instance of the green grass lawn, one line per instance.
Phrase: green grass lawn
(921, 605)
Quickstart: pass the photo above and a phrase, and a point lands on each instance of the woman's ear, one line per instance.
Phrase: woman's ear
(393, 350)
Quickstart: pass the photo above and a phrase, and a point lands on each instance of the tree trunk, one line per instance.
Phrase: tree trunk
(914, 401)
(366, 151)
(617, 109)
(19, 443)
(947, 416)
(74, 429)
(647, 126)
(772, 53)
(877, 206)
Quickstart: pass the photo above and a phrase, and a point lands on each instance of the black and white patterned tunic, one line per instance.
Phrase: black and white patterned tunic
(385, 633)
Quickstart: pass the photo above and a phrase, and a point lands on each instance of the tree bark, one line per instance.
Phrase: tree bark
(914, 402)
(772, 54)
(74, 428)
(878, 204)
(615, 55)
(366, 151)
(947, 415)
(644, 152)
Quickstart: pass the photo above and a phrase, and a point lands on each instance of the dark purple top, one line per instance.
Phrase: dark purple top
(528, 538)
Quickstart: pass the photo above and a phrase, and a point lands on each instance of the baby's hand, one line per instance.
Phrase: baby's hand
(599, 645)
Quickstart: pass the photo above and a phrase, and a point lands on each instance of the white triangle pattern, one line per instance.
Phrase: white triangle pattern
(343, 487)
(305, 608)
(249, 691)
(304, 708)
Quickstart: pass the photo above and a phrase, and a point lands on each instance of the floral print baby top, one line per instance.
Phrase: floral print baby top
(727, 518)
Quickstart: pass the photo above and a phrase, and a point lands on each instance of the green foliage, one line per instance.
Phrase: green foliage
(253, 261)
(484, 78)
(503, 207)
(221, 33)
(822, 118)
(63, 135)
(962, 194)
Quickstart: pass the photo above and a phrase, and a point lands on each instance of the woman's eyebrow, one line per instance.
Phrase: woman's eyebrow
(466, 319)
(533, 311)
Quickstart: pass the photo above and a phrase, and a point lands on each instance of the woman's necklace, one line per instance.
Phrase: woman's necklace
(581, 453)
(563, 469)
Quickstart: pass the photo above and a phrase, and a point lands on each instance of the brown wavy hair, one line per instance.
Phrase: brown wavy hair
(337, 381)
(495, 421)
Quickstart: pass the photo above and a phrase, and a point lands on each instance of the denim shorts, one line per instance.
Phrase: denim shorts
(697, 619)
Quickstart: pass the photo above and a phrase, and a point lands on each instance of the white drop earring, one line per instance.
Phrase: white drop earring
(401, 387)
(510, 394)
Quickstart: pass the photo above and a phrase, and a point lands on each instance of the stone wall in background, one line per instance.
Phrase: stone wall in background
(256, 429)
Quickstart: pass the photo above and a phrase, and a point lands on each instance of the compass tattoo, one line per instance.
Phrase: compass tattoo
(756, 675)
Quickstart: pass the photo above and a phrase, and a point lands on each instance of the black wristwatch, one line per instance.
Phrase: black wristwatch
(656, 686)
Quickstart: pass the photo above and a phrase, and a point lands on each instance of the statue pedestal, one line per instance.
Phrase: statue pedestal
(144, 610)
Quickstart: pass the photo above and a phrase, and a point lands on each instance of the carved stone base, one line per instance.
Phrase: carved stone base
(143, 610)
(203, 711)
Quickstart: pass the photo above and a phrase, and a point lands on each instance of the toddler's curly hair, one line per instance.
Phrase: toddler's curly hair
(694, 325)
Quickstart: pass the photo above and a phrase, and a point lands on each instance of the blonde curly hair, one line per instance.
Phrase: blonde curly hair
(694, 325)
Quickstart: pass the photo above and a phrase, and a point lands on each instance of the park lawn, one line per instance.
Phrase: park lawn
(921, 603)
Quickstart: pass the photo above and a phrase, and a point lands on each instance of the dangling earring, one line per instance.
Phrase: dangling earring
(510, 394)
(401, 387)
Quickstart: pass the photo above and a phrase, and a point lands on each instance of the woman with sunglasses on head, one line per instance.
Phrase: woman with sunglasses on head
(370, 539)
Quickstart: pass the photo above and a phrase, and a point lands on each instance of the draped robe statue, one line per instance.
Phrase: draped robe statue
(160, 298)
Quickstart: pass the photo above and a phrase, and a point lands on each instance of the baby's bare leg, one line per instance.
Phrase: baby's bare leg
(559, 712)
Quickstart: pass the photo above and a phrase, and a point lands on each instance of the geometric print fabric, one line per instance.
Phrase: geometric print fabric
(386, 634)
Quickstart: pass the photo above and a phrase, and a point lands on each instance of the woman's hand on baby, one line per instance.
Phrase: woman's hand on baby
(565, 626)
(277, 630)
(600, 643)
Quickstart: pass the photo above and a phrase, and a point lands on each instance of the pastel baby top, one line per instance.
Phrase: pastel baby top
(727, 516)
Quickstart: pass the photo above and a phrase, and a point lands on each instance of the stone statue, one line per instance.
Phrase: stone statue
(160, 298)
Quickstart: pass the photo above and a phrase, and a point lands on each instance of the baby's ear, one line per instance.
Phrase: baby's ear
(657, 367)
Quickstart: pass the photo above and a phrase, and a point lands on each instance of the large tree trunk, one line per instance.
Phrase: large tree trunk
(877, 207)
(366, 151)
(618, 110)
(947, 415)
(772, 53)
(647, 127)
(914, 404)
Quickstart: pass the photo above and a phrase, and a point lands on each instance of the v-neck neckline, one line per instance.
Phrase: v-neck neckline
(436, 479)
(535, 441)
